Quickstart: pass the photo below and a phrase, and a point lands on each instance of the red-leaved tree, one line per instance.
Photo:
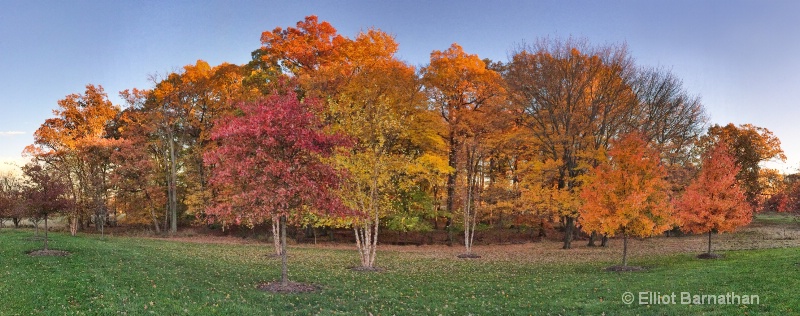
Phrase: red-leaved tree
(44, 194)
(269, 163)
(714, 201)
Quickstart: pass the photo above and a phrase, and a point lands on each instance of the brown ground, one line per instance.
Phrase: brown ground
(50, 252)
(291, 287)
(755, 236)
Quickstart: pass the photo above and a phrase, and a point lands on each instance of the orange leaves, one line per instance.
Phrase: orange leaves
(714, 201)
(459, 81)
(299, 49)
(80, 119)
(628, 192)
(749, 145)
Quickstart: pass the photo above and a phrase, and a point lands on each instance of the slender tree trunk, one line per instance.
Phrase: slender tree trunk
(166, 211)
(173, 202)
(155, 220)
(367, 232)
(470, 211)
(604, 241)
(624, 249)
(467, 217)
(73, 225)
(101, 222)
(366, 242)
(374, 246)
(542, 232)
(152, 212)
(284, 269)
(359, 244)
(569, 225)
(276, 235)
(709, 242)
(451, 186)
(45, 232)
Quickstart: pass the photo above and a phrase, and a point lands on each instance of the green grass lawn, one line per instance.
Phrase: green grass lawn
(132, 276)
(772, 218)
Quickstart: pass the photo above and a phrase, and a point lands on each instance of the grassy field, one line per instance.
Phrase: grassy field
(137, 276)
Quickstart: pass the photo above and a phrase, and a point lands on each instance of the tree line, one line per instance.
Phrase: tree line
(324, 130)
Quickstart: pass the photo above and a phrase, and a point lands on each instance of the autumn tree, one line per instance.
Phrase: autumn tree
(379, 105)
(627, 194)
(464, 91)
(785, 201)
(140, 173)
(301, 52)
(11, 199)
(714, 202)
(45, 194)
(75, 145)
(179, 114)
(574, 98)
(269, 162)
(750, 146)
(371, 96)
(671, 120)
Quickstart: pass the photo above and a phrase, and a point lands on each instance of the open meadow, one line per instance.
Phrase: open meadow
(194, 276)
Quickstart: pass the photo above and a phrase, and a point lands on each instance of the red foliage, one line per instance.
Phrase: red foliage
(45, 194)
(714, 202)
(270, 163)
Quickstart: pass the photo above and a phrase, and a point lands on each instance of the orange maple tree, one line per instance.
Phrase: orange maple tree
(469, 96)
(76, 145)
(627, 194)
(714, 201)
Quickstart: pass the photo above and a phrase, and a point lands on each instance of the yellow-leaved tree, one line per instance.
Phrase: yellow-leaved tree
(379, 105)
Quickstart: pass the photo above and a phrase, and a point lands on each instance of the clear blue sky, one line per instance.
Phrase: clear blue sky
(741, 57)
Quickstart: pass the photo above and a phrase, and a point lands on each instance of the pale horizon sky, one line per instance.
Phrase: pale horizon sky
(738, 56)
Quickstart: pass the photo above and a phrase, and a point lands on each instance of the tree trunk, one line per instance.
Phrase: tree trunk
(451, 186)
(604, 241)
(542, 232)
(155, 221)
(374, 247)
(102, 223)
(276, 235)
(592, 239)
(569, 225)
(73, 225)
(470, 208)
(624, 249)
(467, 217)
(45, 232)
(152, 212)
(366, 242)
(166, 209)
(284, 269)
(173, 199)
(709, 242)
